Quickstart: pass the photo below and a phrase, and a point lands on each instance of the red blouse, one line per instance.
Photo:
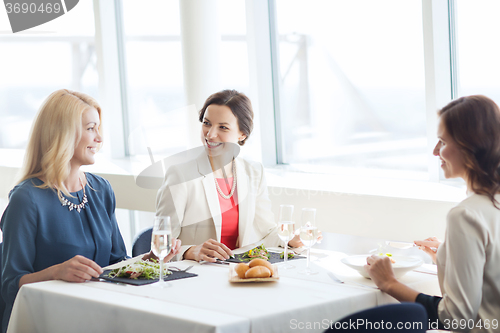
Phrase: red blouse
(230, 214)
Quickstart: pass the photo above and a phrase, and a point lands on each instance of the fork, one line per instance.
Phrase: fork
(176, 269)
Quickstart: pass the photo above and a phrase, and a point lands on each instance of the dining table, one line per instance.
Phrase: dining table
(209, 302)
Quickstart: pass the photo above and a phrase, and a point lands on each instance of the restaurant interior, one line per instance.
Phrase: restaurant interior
(345, 97)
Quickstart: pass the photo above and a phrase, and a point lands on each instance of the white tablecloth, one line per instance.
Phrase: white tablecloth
(207, 303)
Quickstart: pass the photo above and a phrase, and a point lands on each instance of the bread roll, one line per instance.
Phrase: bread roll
(261, 262)
(241, 269)
(258, 272)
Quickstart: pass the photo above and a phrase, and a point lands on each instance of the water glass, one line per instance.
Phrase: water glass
(308, 235)
(286, 231)
(161, 240)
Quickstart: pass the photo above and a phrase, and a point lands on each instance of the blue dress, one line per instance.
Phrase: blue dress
(38, 232)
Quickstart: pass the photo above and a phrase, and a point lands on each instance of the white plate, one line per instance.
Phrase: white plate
(400, 267)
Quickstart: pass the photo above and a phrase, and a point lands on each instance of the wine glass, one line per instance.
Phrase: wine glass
(161, 240)
(308, 235)
(286, 229)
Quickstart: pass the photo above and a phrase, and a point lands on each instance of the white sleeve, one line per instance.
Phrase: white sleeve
(464, 265)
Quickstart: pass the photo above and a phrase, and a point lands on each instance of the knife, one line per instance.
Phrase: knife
(401, 245)
(334, 277)
(218, 262)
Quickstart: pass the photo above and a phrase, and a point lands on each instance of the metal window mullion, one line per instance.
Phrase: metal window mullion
(453, 49)
(438, 93)
(109, 77)
(274, 45)
(120, 43)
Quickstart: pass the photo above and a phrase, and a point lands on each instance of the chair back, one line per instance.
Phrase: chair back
(2, 302)
(142, 242)
(407, 317)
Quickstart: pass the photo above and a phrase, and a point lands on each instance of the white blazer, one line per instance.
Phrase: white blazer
(190, 198)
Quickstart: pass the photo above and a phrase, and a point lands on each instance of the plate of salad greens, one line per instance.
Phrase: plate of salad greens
(262, 253)
(142, 272)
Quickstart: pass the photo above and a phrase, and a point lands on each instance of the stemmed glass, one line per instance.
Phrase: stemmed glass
(286, 229)
(161, 243)
(308, 235)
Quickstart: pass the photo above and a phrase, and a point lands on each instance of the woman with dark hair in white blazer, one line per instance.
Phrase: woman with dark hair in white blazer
(218, 204)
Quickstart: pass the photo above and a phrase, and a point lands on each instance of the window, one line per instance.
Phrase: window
(478, 48)
(157, 110)
(153, 57)
(352, 86)
(39, 61)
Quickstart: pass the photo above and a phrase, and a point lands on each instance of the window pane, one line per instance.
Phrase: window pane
(352, 86)
(154, 64)
(35, 63)
(153, 56)
(478, 48)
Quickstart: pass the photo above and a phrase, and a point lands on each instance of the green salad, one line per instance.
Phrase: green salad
(144, 269)
(257, 252)
(290, 255)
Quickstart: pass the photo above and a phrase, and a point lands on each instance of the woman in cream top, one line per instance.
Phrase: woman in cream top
(469, 263)
(468, 260)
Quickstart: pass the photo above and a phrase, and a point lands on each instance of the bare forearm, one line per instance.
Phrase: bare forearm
(400, 291)
(44, 275)
(76, 269)
(188, 254)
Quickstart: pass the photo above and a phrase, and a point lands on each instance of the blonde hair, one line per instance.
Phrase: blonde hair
(56, 131)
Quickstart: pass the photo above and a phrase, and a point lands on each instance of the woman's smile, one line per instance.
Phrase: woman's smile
(212, 144)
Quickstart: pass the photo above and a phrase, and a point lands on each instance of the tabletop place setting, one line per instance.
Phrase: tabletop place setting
(333, 280)
(317, 276)
(151, 272)
(258, 264)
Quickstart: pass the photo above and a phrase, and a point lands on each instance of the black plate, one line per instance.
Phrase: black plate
(275, 258)
(140, 282)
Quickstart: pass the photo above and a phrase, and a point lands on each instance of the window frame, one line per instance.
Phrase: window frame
(262, 37)
(440, 75)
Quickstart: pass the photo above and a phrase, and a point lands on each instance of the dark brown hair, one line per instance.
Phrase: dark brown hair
(474, 123)
(240, 106)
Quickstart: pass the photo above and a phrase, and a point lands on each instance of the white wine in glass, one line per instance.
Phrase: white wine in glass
(161, 240)
(286, 230)
(308, 235)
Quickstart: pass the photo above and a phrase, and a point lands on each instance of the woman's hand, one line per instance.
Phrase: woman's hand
(296, 242)
(77, 269)
(175, 249)
(380, 270)
(209, 251)
(429, 246)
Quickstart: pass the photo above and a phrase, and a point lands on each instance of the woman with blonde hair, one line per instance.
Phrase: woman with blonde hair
(468, 261)
(60, 222)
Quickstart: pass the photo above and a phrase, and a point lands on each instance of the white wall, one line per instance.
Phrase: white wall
(365, 215)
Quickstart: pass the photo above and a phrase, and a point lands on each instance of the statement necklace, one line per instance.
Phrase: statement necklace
(71, 206)
(232, 188)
